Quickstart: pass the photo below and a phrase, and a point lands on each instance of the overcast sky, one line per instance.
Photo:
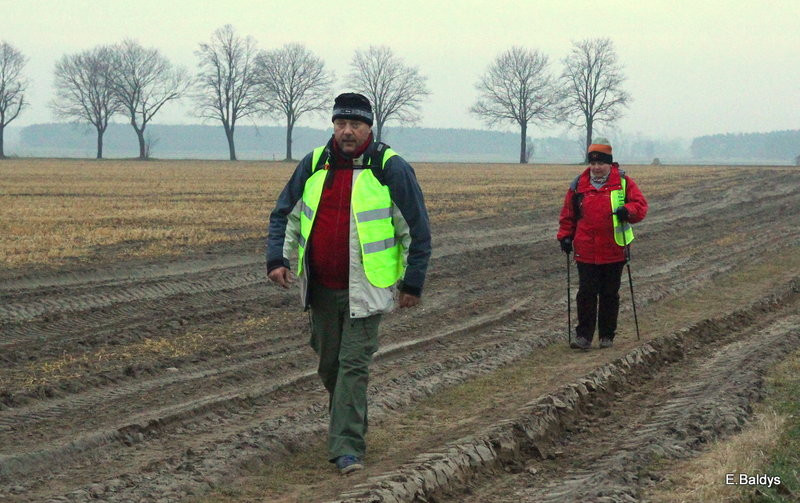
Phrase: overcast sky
(693, 67)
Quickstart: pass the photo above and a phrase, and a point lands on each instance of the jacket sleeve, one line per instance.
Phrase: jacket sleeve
(406, 194)
(566, 220)
(284, 222)
(636, 203)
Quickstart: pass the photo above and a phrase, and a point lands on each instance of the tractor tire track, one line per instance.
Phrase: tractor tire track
(213, 412)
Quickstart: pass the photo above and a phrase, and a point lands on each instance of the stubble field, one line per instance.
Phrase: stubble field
(144, 357)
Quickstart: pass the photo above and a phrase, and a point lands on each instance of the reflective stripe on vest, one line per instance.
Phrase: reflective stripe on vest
(623, 231)
(371, 205)
(312, 192)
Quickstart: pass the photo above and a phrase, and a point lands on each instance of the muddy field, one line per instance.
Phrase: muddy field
(163, 377)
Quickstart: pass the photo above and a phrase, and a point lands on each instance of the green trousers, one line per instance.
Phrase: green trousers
(345, 346)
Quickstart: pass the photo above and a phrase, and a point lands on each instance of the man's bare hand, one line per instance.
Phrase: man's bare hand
(408, 300)
(281, 276)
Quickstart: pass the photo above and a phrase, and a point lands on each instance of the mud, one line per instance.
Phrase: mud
(164, 426)
(594, 439)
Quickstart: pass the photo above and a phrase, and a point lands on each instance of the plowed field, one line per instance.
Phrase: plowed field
(131, 370)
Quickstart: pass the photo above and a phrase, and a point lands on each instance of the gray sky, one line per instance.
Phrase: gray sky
(693, 67)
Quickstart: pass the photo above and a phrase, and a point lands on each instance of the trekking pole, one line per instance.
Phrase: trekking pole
(630, 281)
(569, 308)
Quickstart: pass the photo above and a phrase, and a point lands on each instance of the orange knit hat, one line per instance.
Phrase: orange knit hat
(600, 150)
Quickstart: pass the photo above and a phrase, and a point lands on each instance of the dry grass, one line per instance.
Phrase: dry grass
(702, 479)
(52, 210)
(55, 210)
(68, 366)
(52, 371)
(769, 445)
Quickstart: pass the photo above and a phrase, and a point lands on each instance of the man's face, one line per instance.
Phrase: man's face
(350, 134)
(599, 169)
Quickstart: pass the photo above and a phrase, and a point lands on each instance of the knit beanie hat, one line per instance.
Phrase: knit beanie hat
(352, 106)
(600, 150)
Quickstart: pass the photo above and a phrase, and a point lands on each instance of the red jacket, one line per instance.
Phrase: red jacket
(593, 233)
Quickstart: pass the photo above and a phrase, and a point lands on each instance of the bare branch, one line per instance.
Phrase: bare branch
(517, 88)
(227, 86)
(144, 81)
(395, 90)
(591, 84)
(84, 92)
(293, 82)
(12, 86)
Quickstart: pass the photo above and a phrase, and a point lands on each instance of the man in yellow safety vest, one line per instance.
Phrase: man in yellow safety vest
(354, 214)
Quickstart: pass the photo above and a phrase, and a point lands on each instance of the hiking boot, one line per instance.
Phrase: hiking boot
(580, 343)
(348, 464)
(606, 343)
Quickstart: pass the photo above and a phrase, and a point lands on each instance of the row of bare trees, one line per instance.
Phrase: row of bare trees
(236, 80)
(518, 88)
(94, 85)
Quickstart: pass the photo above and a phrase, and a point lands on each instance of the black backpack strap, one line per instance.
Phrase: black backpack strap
(573, 186)
(576, 198)
(373, 159)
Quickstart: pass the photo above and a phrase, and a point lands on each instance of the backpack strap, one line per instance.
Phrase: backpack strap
(573, 186)
(374, 160)
(576, 198)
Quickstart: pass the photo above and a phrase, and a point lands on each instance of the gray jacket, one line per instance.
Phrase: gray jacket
(409, 216)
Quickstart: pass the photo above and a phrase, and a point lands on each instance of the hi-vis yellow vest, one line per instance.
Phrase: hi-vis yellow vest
(371, 204)
(623, 231)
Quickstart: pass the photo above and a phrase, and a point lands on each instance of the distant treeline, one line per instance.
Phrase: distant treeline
(269, 142)
(776, 146)
(415, 143)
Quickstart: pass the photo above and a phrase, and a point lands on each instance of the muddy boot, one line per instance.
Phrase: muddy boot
(580, 343)
(605, 342)
(348, 464)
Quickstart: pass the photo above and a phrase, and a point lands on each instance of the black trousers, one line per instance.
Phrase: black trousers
(598, 282)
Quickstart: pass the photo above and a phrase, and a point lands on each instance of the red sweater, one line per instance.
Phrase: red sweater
(329, 255)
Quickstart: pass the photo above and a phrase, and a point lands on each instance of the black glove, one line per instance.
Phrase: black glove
(566, 245)
(623, 214)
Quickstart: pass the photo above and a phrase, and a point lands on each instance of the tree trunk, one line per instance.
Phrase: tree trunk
(289, 127)
(229, 135)
(523, 158)
(379, 133)
(100, 143)
(2, 152)
(588, 139)
(140, 135)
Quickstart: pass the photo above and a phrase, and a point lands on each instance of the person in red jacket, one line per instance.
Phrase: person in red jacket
(586, 225)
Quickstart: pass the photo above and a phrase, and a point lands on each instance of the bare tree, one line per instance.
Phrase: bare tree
(517, 88)
(12, 87)
(144, 81)
(293, 81)
(592, 85)
(83, 90)
(394, 89)
(227, 88)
